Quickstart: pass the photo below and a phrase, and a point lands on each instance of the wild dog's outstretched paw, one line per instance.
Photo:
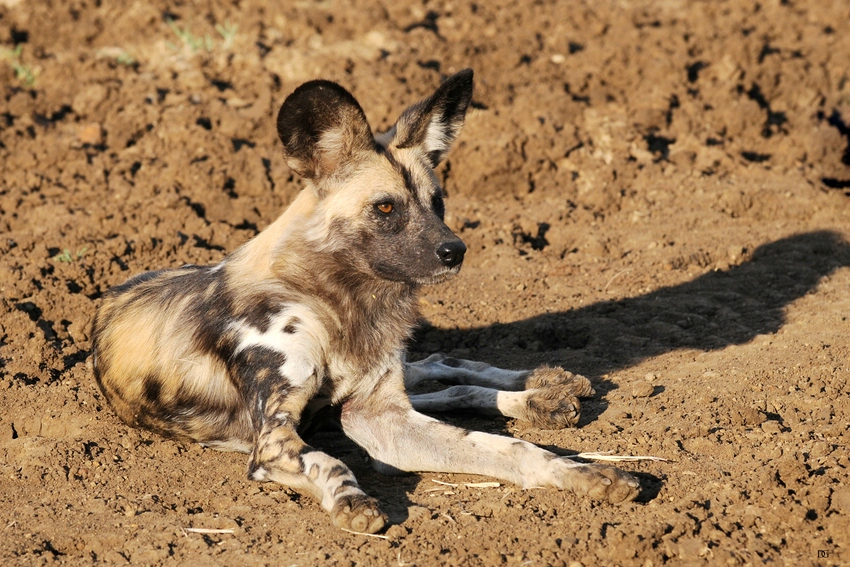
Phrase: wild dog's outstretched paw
(603, 482)
(551, 407)
(358, 513)
(578, 385)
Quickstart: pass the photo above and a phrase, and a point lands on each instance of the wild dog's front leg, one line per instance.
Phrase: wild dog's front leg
(280, 455)
(398, 437)
(277, 387)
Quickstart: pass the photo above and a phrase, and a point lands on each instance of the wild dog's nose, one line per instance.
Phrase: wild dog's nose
(451, 253)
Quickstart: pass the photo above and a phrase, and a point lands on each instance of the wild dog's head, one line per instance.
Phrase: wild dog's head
(380, 204)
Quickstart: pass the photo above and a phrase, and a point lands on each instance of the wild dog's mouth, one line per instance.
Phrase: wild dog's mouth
(414, 273)
(440, 276)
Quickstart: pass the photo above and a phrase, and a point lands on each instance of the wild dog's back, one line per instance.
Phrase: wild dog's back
(157, 346)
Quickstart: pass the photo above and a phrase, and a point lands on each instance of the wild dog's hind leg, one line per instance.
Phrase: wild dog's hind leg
(277, 402)
(551, 407)
(548, 398)
(399, 438)
(469, 372)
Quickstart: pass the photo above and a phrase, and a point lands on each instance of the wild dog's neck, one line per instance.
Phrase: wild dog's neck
(352, 296)
(366, 317)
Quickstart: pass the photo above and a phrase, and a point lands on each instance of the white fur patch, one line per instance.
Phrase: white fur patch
(438, 136)
(332, 140)
(301, 347)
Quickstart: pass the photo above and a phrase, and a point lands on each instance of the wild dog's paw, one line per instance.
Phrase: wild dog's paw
(578, 385)
(603, 482)
(358, 513)
(551, 407)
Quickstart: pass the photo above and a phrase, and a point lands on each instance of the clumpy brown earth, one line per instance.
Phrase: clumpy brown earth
(654, 194)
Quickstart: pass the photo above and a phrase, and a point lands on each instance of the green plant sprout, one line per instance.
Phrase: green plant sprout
(125, 58)
(66, 256)
(117, 55)
(23, 73)
(189, 40)
(227, 32)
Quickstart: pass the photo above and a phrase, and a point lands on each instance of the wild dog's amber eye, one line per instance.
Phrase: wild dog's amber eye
(385, 208)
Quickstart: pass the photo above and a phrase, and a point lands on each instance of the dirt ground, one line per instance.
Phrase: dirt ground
(654, 194)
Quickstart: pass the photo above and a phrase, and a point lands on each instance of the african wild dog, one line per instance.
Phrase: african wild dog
(316, 310)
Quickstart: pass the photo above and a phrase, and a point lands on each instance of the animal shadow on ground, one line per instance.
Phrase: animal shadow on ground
(715, 310)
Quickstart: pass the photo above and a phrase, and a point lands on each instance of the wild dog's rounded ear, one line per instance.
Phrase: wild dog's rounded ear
(434, 123)
(322, 128)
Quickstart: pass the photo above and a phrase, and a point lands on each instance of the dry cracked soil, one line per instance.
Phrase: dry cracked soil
(654, 194)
